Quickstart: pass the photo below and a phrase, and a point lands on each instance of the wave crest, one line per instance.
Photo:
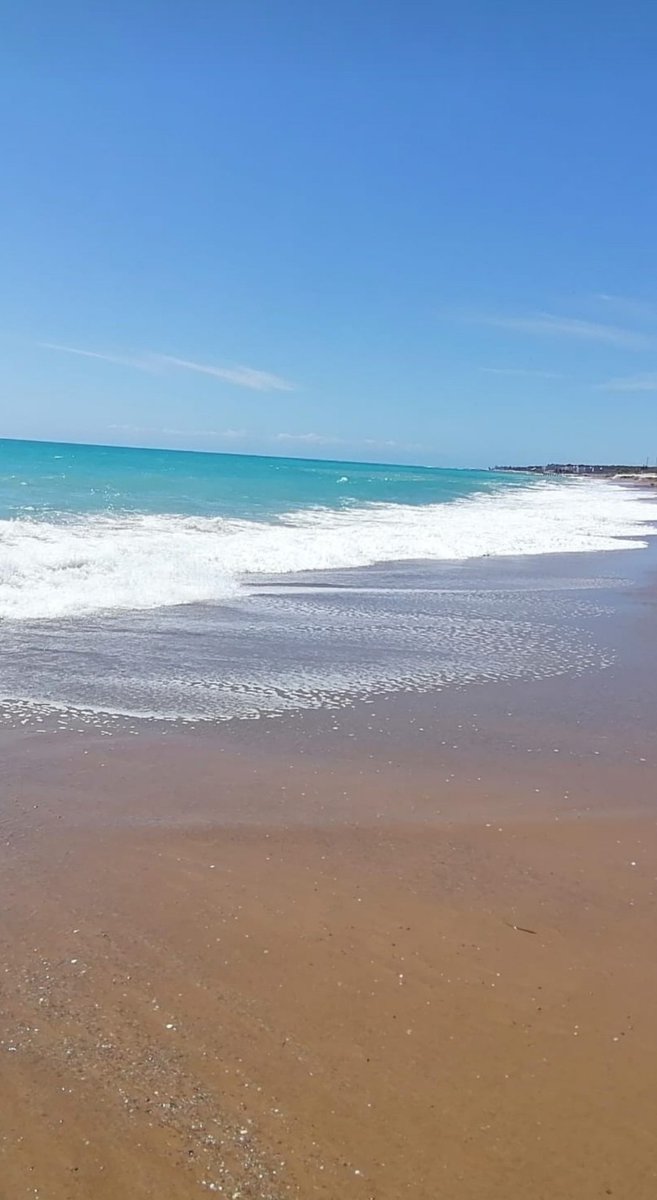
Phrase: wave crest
(73, 566)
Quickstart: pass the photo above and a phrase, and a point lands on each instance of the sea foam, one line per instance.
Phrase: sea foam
(53, 568)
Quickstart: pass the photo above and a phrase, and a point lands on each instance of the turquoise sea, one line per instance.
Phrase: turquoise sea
(203, 586)
(75, 479)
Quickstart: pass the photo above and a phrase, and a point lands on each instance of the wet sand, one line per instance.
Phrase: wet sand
(404, 950)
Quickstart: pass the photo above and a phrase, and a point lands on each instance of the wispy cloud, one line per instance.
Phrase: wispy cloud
(553, 325)
(314, 439)
(248, 377)
(225, 435)
(322, 439)
(141, 363)
(628, 306)
(203, 434)
(390, 444)
(630, 383)
(246, 437)
(239, 376)
(522, 372)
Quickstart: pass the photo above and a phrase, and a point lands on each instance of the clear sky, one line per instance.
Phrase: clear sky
(392, 230)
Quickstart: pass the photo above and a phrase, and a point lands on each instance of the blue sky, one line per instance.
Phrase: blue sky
(406, 231)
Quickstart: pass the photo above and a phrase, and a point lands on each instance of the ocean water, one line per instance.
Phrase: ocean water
(209, 586)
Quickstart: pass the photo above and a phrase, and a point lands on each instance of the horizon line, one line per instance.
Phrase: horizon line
(237, 454)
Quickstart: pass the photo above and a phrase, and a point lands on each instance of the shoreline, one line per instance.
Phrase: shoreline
(573, 575)
(400, 948)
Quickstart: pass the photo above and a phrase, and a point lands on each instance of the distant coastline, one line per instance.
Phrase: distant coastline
(611, 471)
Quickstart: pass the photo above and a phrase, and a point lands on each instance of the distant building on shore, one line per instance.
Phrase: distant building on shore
(582, 469)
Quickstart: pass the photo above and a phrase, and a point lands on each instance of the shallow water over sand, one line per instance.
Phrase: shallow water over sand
(285, 648)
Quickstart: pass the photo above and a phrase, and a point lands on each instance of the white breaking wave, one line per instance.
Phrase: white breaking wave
(88, 564)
